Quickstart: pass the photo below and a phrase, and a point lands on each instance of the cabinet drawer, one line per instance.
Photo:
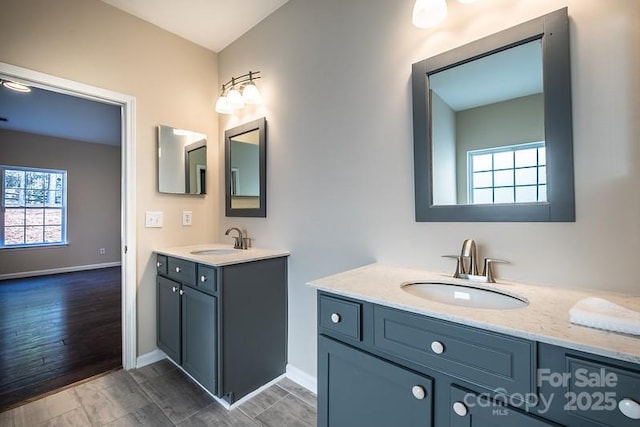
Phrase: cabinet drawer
(468, 409)
(340, 316)
(494, 361)
(207, 279)
(595, 390)
(161, 265)
(182, 271)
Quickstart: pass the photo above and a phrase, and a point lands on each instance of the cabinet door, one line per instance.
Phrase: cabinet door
(168, 317)
(468, 409)
(357, 389)
(199, 336)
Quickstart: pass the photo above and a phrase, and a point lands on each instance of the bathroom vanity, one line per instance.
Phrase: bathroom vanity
(388, 357)
(222, 315)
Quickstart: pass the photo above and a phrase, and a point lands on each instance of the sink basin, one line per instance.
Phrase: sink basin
(465, 296)
(212, 251)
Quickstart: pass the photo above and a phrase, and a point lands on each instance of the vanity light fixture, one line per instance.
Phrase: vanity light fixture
(429, 13)
(18, 87)
(237, 92)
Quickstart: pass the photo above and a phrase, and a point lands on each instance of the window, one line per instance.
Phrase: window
(512, 174)
(34, 203)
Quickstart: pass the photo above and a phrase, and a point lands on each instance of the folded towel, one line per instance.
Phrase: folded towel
(602, 314)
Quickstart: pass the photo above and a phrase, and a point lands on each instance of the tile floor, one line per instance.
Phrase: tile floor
(161, 395)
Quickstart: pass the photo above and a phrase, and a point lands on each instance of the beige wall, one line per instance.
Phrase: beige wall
(174, 83)
(93, 200)
(336, 81)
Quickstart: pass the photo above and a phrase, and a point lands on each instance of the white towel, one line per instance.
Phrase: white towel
(603, 314)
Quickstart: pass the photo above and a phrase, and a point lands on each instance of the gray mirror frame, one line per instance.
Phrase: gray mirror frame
(553, 30)
(261, 126)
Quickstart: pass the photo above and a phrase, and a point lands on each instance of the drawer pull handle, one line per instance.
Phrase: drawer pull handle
(460, 409)
(181, 291)
(630, 408)
(437, 347)
(335, 318)
(418, 392)
(203, 278)
(158, 264)
(178, 269)
(174, 289)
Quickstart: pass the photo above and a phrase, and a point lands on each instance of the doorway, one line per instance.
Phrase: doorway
(128, 185)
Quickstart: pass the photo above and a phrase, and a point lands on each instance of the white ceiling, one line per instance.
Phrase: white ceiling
(213, 24)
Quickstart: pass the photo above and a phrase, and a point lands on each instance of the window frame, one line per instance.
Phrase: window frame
(63, 208)
(504, 149)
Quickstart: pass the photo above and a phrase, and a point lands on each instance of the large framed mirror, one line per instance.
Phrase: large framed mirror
(493, 129)
(246, 169)
(182, 161)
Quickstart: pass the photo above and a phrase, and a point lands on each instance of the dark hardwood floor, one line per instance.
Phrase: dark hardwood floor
(56, 330)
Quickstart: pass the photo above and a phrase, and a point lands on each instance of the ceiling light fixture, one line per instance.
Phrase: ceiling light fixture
(429, 13)
(237, 92)
(18, 87)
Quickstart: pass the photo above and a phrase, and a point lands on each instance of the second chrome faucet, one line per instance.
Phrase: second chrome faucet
(241, 241)
(467, 267)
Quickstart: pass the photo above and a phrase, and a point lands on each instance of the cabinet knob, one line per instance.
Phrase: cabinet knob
(460, 409)
(203, 278)
(418, 392)
(335, 318)
(158, 264)
(181, 291)
(174, 289)
(178, 269)
(437, 347)
(630, 408)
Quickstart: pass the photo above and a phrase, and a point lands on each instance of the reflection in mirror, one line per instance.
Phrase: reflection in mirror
(493, 128)
(488, 129)
(182, 161)
(245, 173)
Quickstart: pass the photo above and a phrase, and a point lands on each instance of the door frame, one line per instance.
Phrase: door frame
(128, 185)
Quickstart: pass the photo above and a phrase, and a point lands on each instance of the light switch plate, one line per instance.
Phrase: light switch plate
(153, 219)
(186, 217)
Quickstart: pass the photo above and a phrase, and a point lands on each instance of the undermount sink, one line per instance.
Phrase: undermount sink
(218, 251)
(465, 296)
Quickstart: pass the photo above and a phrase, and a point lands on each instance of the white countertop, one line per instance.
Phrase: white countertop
(545, 319)
(237, 256)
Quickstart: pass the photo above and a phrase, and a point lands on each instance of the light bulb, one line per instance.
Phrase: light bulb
(222, 106)
(234, 99)
(251, 94)
(429, 13)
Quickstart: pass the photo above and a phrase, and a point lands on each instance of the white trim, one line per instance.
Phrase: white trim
(71, 269)
(305, 380)
(151, 357)
(128, 224)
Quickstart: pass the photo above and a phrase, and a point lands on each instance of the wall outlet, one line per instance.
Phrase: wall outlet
(153, 219)
(102, 251)
(186, 217)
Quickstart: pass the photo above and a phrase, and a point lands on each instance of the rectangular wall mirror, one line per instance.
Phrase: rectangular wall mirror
(245, 169)
(493, 128)
(182, 161)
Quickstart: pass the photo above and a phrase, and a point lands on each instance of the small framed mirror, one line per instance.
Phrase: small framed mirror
(493, 129)
(246, 169)
(182, 161)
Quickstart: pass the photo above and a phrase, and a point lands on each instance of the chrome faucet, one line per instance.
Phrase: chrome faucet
(240, 242)
(467, 267)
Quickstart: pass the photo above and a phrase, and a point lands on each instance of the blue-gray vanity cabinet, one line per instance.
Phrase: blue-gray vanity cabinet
(362, 390)
(168, 318)
(225, 326)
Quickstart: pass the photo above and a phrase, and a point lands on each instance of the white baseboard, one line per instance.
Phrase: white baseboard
(149, 358)
(305, 380)
(22, 274)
